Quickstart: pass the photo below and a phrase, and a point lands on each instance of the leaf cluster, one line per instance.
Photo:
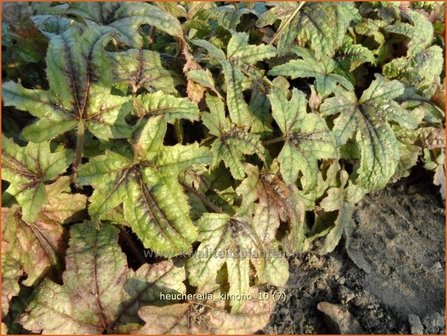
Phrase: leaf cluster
(185, 149)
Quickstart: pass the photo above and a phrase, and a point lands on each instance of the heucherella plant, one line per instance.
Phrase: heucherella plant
(162, 160)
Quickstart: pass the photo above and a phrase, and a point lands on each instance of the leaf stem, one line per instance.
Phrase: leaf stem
(273, 141)
(210, 205)
(278, 33)
(150, 36)
(79, 147)
(207, 141)
(179, 131)
(428, 101)
(130, 243)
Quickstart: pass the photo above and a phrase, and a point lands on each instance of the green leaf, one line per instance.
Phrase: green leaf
(51, 25)
(422, 66)
(342, 222)
(237, 106)
(232, 142)
(141, 69)
(276, 269)
(27, 169)
(215, 238)
(160, 215)
(420, 31)
(174, 9)
(202, 77)
(342, 199)
(238, 269)
(45, 129)
(421, 70)
(231, 148)
(215, 120)
(229, 16)
(259, 106)
(309, 67)
(162, 104)
(307, 138)
(80, 81)
(408, 144)
(224, 240)
(368, 120)
(126, 19)
(321, 24)
(212, 50)
(287, 31)
(147, 186)
(350, 56)
(239, 52)
(99, 291)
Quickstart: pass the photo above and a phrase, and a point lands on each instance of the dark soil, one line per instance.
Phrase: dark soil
(387, 271)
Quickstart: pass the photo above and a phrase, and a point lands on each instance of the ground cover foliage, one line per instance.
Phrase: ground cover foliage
(155, 150)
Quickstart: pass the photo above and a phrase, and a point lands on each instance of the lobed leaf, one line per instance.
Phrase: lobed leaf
(168, 106)
(147, 186)
(99, 292)
(79, 93)
(420, 32)
(342, 199)
(27, 169)
(309, 67)
(232, 142)
(187, 318)
(141, 69)
(368, 120)
(322, 25)
(238, 52)
(350, 56)
(233, 242)
(307, 138)
(31, 248)
(126, 19)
